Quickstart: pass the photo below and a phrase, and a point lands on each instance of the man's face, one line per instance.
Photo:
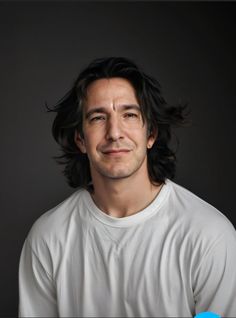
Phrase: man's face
(115, 137)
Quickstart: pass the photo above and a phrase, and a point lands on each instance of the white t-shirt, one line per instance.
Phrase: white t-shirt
(177, 257)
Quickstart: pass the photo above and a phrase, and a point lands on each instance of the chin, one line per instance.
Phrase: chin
(117, 173)
(118, 170)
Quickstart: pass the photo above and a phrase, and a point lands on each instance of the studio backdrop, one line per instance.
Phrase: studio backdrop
(189, 47)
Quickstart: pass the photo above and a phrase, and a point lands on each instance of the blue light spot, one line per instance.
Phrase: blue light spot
(207, 314)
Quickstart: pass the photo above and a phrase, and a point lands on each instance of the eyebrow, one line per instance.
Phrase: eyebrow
(104, 109)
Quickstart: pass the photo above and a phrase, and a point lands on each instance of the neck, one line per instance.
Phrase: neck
(125, 196)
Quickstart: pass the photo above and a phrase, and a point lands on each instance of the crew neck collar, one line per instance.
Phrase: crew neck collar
(133, 219)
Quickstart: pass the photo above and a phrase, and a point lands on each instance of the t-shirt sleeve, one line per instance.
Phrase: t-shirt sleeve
(37, 296)
(215, 277)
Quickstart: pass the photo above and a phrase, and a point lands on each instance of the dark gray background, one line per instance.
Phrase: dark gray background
(189, 47)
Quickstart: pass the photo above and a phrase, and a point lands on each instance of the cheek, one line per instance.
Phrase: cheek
(138, 135)
(91, 141)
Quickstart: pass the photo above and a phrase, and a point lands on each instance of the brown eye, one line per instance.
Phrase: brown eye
(131, 115)
(97, 118)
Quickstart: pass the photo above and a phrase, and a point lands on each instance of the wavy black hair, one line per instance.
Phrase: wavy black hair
(155, 111)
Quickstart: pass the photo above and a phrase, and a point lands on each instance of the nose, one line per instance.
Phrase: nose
(114, 130)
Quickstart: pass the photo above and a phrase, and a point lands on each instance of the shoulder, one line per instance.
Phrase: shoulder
(196, 215)
(201, 234)
(53, 225)
(56, 230)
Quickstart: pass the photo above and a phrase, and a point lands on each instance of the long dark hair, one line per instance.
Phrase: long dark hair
(155, 112)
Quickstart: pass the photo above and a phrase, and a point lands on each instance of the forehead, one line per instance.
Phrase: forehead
(110, 90)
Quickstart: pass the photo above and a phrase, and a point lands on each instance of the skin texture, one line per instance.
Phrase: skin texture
(116, 141)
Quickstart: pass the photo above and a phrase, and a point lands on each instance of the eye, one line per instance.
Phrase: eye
(97, 118)
(130, 115)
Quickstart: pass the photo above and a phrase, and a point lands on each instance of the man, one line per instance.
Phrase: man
(129, 242)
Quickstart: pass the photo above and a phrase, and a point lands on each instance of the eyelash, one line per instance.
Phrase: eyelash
(131, 115)
(98, 118)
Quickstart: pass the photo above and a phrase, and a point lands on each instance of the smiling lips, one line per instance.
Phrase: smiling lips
(115, 151)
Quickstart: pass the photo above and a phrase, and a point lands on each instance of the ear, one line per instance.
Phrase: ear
(79, 141)
(152, 138)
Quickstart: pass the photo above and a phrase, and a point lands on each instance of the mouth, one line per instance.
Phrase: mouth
(114, 152)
